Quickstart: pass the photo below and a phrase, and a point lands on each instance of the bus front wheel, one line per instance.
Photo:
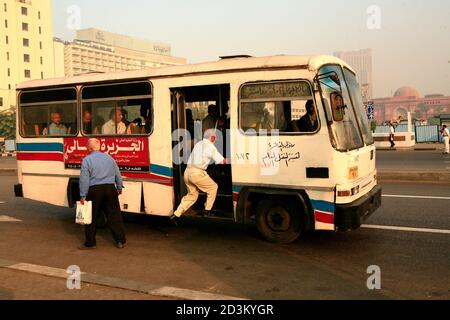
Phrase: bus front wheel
(278, 221)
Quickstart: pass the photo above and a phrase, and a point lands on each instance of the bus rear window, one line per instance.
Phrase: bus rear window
(285, 107)
(117, 109)
(51, 113)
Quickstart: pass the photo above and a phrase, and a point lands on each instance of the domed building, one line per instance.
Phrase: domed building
(406, 92)
(408, 99)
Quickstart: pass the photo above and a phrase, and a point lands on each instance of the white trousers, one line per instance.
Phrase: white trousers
(197, 179)
(446, 145)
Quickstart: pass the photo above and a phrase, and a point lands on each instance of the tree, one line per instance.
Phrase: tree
(373, 126)
(8, 124)
(422, 111)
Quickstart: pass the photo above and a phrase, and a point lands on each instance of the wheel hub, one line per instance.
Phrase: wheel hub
(278, 219)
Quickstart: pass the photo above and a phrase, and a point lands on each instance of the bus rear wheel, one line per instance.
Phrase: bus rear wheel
(278, 221)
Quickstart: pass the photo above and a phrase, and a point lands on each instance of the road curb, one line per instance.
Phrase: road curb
(6, 172)
(117, 283)
(411, 176)
(409, 149)
(8, 155)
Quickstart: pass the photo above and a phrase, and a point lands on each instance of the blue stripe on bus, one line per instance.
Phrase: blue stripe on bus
(323, 206)
(237, 189)
(162, 171)
(40, 147)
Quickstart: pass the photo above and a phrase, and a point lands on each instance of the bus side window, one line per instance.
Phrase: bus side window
(277, 106)
(52, 113)
(117, 109)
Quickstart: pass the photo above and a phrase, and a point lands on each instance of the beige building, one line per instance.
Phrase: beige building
(361, 62)
(99, 51)
(26, 45)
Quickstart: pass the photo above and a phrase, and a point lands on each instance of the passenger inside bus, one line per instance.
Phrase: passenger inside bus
(309, 122)
(210, 122)
(115, 125)
(136, 127)
(56, 128)
(88, 126)
(125, 117)
(190, 123)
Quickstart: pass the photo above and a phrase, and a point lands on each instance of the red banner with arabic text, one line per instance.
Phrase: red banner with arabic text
(131, 154)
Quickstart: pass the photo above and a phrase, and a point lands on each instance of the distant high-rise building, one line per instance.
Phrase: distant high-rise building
(26, 45)
(100, 51)
(361, 62)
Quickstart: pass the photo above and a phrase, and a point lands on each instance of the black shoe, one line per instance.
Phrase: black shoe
(175, 220)
(120, 245)
(207, 213)
(85, 247)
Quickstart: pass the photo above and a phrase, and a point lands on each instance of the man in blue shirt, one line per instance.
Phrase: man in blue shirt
(98, 180)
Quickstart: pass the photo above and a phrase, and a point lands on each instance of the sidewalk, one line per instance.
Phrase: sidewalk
(418, 147)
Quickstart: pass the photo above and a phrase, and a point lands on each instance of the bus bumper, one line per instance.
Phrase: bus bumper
(18, 191)
(351, 216)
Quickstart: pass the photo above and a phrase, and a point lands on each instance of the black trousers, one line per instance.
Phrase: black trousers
(105, 199)
(391, 140)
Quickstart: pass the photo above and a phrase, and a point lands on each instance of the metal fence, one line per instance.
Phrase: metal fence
(423, 133)
(428, 134)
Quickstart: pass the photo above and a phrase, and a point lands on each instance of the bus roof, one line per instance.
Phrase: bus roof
(237, 64)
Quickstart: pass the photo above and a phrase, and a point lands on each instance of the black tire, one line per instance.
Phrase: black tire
(278, 221)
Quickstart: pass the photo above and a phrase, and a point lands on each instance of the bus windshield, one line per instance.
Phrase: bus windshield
(342, 118)
(358, 104)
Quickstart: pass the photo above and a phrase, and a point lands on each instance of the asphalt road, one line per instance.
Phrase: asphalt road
(413, 161)
(225, 259)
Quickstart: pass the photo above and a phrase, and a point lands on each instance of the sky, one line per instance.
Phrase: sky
(410, 39)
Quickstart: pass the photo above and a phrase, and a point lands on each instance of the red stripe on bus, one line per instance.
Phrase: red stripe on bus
(59, 157)
(324, 217)
(31, 156)
(149, 176)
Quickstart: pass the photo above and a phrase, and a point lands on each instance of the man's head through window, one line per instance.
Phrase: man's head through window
(310, 107)
(56, 118)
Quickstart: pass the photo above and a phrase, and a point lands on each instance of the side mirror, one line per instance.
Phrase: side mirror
(335, 79)
(337, 106)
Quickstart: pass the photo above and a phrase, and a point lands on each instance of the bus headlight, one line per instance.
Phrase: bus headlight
(348, 193)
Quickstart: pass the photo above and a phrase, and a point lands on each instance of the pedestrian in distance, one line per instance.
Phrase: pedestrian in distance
(101, 183)
(391, 134)
(446, 137)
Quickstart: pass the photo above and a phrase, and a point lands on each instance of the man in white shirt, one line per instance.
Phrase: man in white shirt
(391, 134)
(446, 138)
(115, 125)
(196, 177)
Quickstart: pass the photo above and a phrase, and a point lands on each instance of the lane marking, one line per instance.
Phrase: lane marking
(8, 219)
(415, 197)
(117, 283)
(393, 228)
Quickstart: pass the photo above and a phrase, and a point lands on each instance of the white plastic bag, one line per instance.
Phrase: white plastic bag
(84, 213)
